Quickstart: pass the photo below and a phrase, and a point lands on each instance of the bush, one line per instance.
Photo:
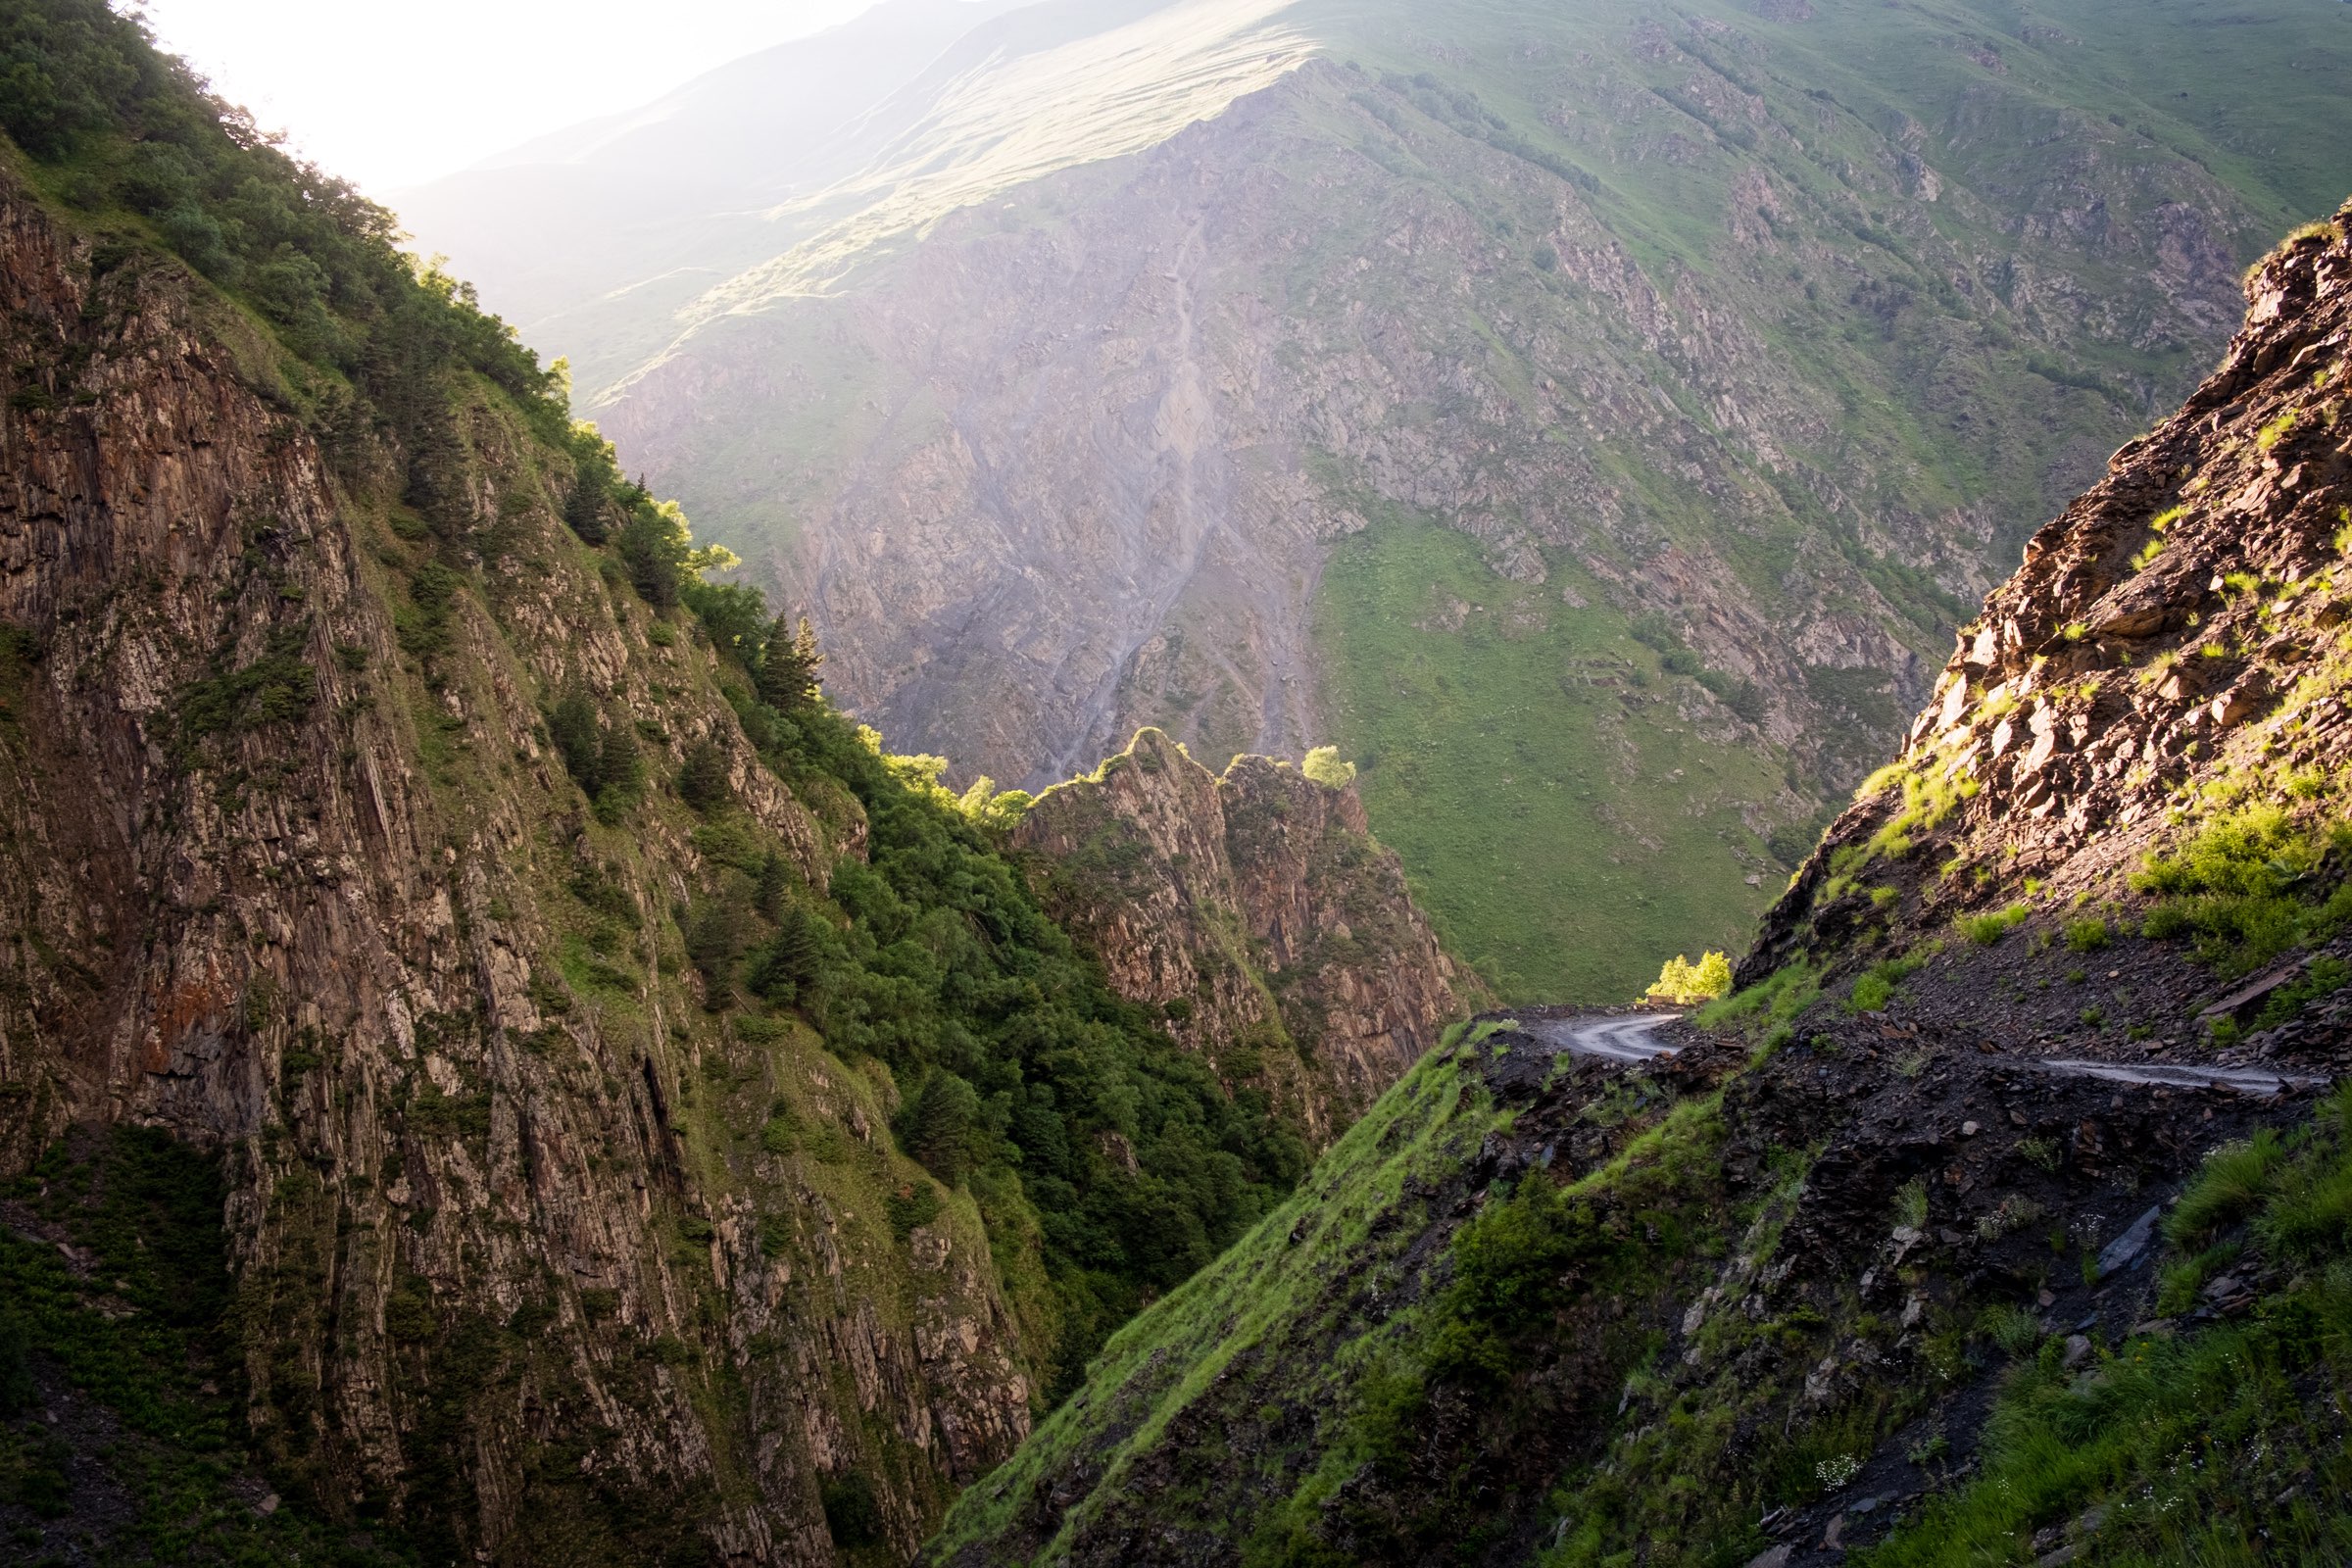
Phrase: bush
(1683, 982)
(850, 1513)
(1323, 766)
(2249, 884)
(914, 1204)
(1987, 929)
(2087, 935)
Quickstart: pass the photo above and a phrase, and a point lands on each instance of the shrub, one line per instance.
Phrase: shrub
(1987, 929)
(2087, 935)
(2327, 975)
(2248, 885)
(1683, 982)
(852, 1515)
(1323, 766)
(916, 1204)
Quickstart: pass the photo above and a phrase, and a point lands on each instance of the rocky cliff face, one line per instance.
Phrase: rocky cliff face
(2169, 651)
(1981, 1174)
(291, 872)
(1255, 911)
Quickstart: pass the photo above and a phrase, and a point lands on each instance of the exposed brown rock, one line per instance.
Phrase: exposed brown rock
(1257, 913)
(2174, 626)
(299, 940)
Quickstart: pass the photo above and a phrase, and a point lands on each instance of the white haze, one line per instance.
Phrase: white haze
(394, 95)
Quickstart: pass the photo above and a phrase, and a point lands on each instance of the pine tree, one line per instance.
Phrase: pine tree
(939, 1128)
(788, 665)
(713, 942)
(573, 725)
(774, 879)
(584, 508)
(619, 772)
(790, 964)
(702, 781)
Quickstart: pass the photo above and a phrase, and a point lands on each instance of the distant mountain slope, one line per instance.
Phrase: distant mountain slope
(1742, 345)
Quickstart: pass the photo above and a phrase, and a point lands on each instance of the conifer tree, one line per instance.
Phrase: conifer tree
(573, 725)
(788, 665)
(939, 1126)
(619, 770)
(702, 781)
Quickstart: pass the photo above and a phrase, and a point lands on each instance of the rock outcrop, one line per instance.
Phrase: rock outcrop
(2172, 643)
(1256, 913)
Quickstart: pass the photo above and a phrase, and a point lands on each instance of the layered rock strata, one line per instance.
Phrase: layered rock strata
(1255, 911)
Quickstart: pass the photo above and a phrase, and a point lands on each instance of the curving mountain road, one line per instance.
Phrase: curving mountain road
(2173, 1075)
(1626, 1037)
(1633, 1037)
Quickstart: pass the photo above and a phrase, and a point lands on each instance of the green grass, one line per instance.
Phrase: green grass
(1766, 1012)
(1267, 1292)
(1565, 828)
(2220, 1448)
(1875, 986)
(2250, 882)
(2087, 935)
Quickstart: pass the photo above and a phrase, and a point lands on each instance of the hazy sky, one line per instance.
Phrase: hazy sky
(394, 94)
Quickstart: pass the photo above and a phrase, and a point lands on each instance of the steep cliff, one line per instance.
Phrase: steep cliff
(643, 1120)
(2153, 707)
(1392, 375)
(290, 871)
(1258, 913)
(1969, 1230)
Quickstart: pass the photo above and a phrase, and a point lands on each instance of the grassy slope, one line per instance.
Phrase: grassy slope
(1567, 822)
(1266, 1293)
(1937, 409)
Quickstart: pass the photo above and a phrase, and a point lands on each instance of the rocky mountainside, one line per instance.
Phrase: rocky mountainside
(486, 1073)
(1258, 913)
(1999, 1216)
(1521, 386)
(2165, 660)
